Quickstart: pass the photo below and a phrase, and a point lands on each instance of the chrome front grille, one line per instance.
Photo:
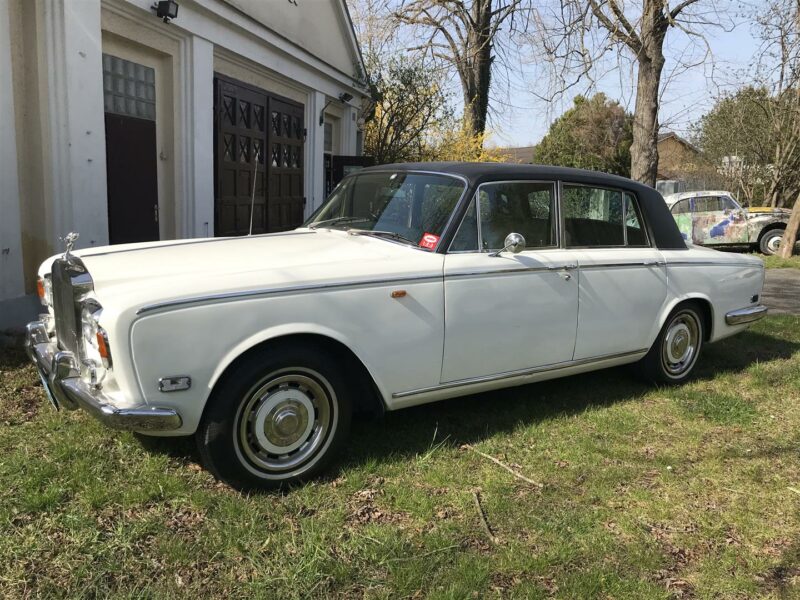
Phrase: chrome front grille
(64, 307)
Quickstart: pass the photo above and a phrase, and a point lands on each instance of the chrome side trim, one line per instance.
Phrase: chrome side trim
(710, 263)
(620, 265)
(746, 315)
(297, 289)
(486, 273)
(519, 373)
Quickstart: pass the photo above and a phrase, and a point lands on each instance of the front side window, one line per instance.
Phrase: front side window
(405, 206)
(728, 204)
(524, 207)
(681, 207)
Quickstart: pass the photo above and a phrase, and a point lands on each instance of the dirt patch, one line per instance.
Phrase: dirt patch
(782, 579)
(678, 556)
(364, 509)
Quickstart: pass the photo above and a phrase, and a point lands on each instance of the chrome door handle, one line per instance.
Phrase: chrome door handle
(563, 268)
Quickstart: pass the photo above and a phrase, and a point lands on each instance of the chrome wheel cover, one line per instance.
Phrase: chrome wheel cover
(285, 421)
(681, 344)
(774, 244)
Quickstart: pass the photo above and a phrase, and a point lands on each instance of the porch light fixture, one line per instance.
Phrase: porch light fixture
(344, 98)
(166, 10)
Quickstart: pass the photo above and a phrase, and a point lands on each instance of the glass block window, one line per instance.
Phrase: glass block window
(129, 88)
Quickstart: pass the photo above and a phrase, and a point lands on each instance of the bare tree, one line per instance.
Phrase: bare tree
(581, 32)
(466, 35)
(778, 25)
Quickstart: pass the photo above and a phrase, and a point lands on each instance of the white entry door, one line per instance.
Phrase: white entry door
(510, 312)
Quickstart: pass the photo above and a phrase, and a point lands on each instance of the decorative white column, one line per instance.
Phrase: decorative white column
(349, 131)
(12, 283)
(71, 87)
(198, 139)
(314, 150)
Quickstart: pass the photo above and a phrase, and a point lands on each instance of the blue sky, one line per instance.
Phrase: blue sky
(687, 96)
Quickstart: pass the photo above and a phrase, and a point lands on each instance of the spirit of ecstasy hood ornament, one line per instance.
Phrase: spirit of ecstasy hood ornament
(69, 243)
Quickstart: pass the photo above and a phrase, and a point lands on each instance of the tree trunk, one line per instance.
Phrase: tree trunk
(790, 234)
(476, 78)
(644, 149)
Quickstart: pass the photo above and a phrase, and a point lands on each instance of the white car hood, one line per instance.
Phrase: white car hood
(142, 274)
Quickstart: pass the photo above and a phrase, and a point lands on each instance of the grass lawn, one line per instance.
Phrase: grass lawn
(776, 262)
(633, 492)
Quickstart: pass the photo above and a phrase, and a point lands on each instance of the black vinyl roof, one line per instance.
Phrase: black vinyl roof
(656, 213)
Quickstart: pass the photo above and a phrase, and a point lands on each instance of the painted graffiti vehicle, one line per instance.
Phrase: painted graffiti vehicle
(714, 218)
(412, 283)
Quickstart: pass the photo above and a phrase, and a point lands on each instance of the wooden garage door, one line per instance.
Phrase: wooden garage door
(259, 141)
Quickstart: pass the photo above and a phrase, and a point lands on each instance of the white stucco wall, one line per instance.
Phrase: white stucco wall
(11, 273)
(318, 26)
(51, 89)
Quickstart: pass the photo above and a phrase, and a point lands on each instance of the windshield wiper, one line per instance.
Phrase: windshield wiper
(377, 232)
(336, 220)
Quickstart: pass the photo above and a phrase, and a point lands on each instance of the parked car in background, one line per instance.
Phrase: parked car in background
(714, 218)
(413, 283)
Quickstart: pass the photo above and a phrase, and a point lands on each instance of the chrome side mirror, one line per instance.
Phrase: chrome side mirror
(513, 243)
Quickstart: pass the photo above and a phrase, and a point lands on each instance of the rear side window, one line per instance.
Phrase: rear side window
(707, 204)
(601, 218)
(634, 229)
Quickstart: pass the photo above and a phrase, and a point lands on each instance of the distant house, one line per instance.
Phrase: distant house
(677, 157)
(522, 155)
(125, 128)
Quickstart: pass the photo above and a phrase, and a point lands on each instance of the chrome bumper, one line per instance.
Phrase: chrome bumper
(746, 315)
(61, 377)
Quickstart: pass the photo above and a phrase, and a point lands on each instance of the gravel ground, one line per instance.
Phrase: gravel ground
(782, 291)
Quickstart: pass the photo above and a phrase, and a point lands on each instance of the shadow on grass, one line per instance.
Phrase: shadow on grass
(13, 358)
(470, 419)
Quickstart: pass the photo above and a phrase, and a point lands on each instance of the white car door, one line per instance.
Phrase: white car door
(509, 312)
(623, 281)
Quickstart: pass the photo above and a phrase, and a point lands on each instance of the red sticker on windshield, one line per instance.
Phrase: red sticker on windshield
(429, 241)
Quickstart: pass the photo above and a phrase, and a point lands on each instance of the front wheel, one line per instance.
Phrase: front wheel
(770, 242)
(277, 418)
(673, 356)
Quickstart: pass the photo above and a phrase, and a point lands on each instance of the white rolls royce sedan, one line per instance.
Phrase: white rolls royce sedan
(411, 284)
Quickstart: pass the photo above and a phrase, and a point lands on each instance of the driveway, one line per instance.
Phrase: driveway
(782, 291)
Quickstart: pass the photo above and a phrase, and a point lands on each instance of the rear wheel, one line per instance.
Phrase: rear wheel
(770, 242)
(673, 356)
(277, 418)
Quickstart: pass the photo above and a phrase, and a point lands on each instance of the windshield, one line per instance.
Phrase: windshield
(403, 206)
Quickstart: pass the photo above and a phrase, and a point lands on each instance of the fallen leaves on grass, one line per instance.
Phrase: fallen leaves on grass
(364, 510)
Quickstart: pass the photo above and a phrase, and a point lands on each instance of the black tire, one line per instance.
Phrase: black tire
(770, 241)
(673, 356)
(277, 418)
